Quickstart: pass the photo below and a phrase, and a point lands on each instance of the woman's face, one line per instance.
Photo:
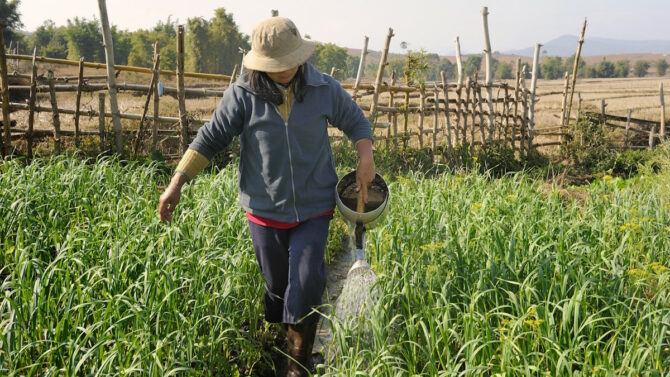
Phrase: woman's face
(283, 77)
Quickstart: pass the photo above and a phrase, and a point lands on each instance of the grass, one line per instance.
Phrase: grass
(478, 276)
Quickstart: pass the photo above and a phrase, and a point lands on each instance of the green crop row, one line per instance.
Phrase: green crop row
(478, 276)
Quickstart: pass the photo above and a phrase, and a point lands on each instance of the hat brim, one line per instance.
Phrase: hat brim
(257, 62)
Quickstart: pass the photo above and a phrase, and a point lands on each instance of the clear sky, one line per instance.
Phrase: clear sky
(428, 24)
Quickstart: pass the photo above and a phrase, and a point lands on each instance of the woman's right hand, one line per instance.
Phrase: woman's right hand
(170, 197)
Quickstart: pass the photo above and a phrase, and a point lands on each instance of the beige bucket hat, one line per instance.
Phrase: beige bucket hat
(276, 45)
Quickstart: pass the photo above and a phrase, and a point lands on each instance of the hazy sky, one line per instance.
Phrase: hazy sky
(431, 25)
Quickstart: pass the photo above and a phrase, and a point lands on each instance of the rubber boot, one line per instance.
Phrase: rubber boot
(299, 341)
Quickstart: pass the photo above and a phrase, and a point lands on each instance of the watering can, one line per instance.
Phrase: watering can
(358, 214)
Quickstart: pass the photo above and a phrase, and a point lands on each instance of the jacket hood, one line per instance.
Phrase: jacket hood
(312, 78)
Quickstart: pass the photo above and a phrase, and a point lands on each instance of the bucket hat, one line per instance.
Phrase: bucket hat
(276, 45)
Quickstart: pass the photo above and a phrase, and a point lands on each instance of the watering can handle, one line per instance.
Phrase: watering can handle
(360, 204)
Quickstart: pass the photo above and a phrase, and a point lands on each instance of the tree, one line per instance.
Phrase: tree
(569, 65)
(10, 16)
(197, 44)
(621, 68)
(640, 68)
(49, 40)
(414, 71)
(552, 68)
(661, 67)
(84, 40)
(328, 55)
(472, 64)
(225, 40)
(122, 44)
(605, 69)
(504, 71)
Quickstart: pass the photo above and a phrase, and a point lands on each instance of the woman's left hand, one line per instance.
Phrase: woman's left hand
(365, 172)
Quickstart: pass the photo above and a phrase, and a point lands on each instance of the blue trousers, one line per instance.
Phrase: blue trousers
(292, 264)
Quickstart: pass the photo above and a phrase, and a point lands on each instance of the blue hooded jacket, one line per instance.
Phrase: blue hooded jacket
(286, 169)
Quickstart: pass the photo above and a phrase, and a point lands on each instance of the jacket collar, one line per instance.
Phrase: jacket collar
(312, 78)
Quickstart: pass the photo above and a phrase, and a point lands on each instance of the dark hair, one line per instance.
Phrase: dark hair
(266, 89)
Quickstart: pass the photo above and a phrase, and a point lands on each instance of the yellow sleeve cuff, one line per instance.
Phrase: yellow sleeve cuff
(192, 163)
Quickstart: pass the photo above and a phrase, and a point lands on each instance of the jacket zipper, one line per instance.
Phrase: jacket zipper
(290, 158)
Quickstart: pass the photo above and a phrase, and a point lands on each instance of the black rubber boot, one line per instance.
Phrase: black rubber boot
(299, 342)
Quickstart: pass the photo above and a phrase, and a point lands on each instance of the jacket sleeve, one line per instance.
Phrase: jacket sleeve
(226, 123)
(347, 116)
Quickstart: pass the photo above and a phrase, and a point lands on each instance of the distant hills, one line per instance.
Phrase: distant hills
(566, 45)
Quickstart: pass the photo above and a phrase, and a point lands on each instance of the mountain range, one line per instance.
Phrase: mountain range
(566, 45)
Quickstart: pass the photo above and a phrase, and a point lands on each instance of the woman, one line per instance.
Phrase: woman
(280, 107)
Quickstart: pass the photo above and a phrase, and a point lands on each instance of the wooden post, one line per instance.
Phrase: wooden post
(579, 105)
(524, 123)
(405, 120)
(468, 86)
(421, 114)
(31, 104)
(480, 102)
(380, 74)
(392, 117)
(564, 101)
(436, 113)
(183, 121)
(459, 86)
(533, 86)
(487, 52)
(475, 100)
(626, 140)
(101, 119)
(111, 78)
(602, 110)
(506, 113)
(575, 67)
(274, 12)
(662, 133)
(80, 83)
(652, 135)
(140, 130)
(361, 66)
(445, 90)
(517, 82)
(154, 125)
(7, 144)
(232, 75)
(54, 109)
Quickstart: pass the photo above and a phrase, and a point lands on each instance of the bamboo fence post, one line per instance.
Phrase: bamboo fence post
(80, 83)
(111, 78)
(626, 139)
(468, 85)
(378, 81)
(7, 144)
(140, 131)
(391, 116)
(31, 104)
(54, 109)
(361, 66)
(459, 87)
(445, 90)
(332, 71)
(154, 125)
(516, 102)
(575, 67)
(662, 133)
(533, 87)
(183, 121)
(487, 52)
(101, 119)
(436, 113)
(602, 110)
(565, 98)
(422, 101)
